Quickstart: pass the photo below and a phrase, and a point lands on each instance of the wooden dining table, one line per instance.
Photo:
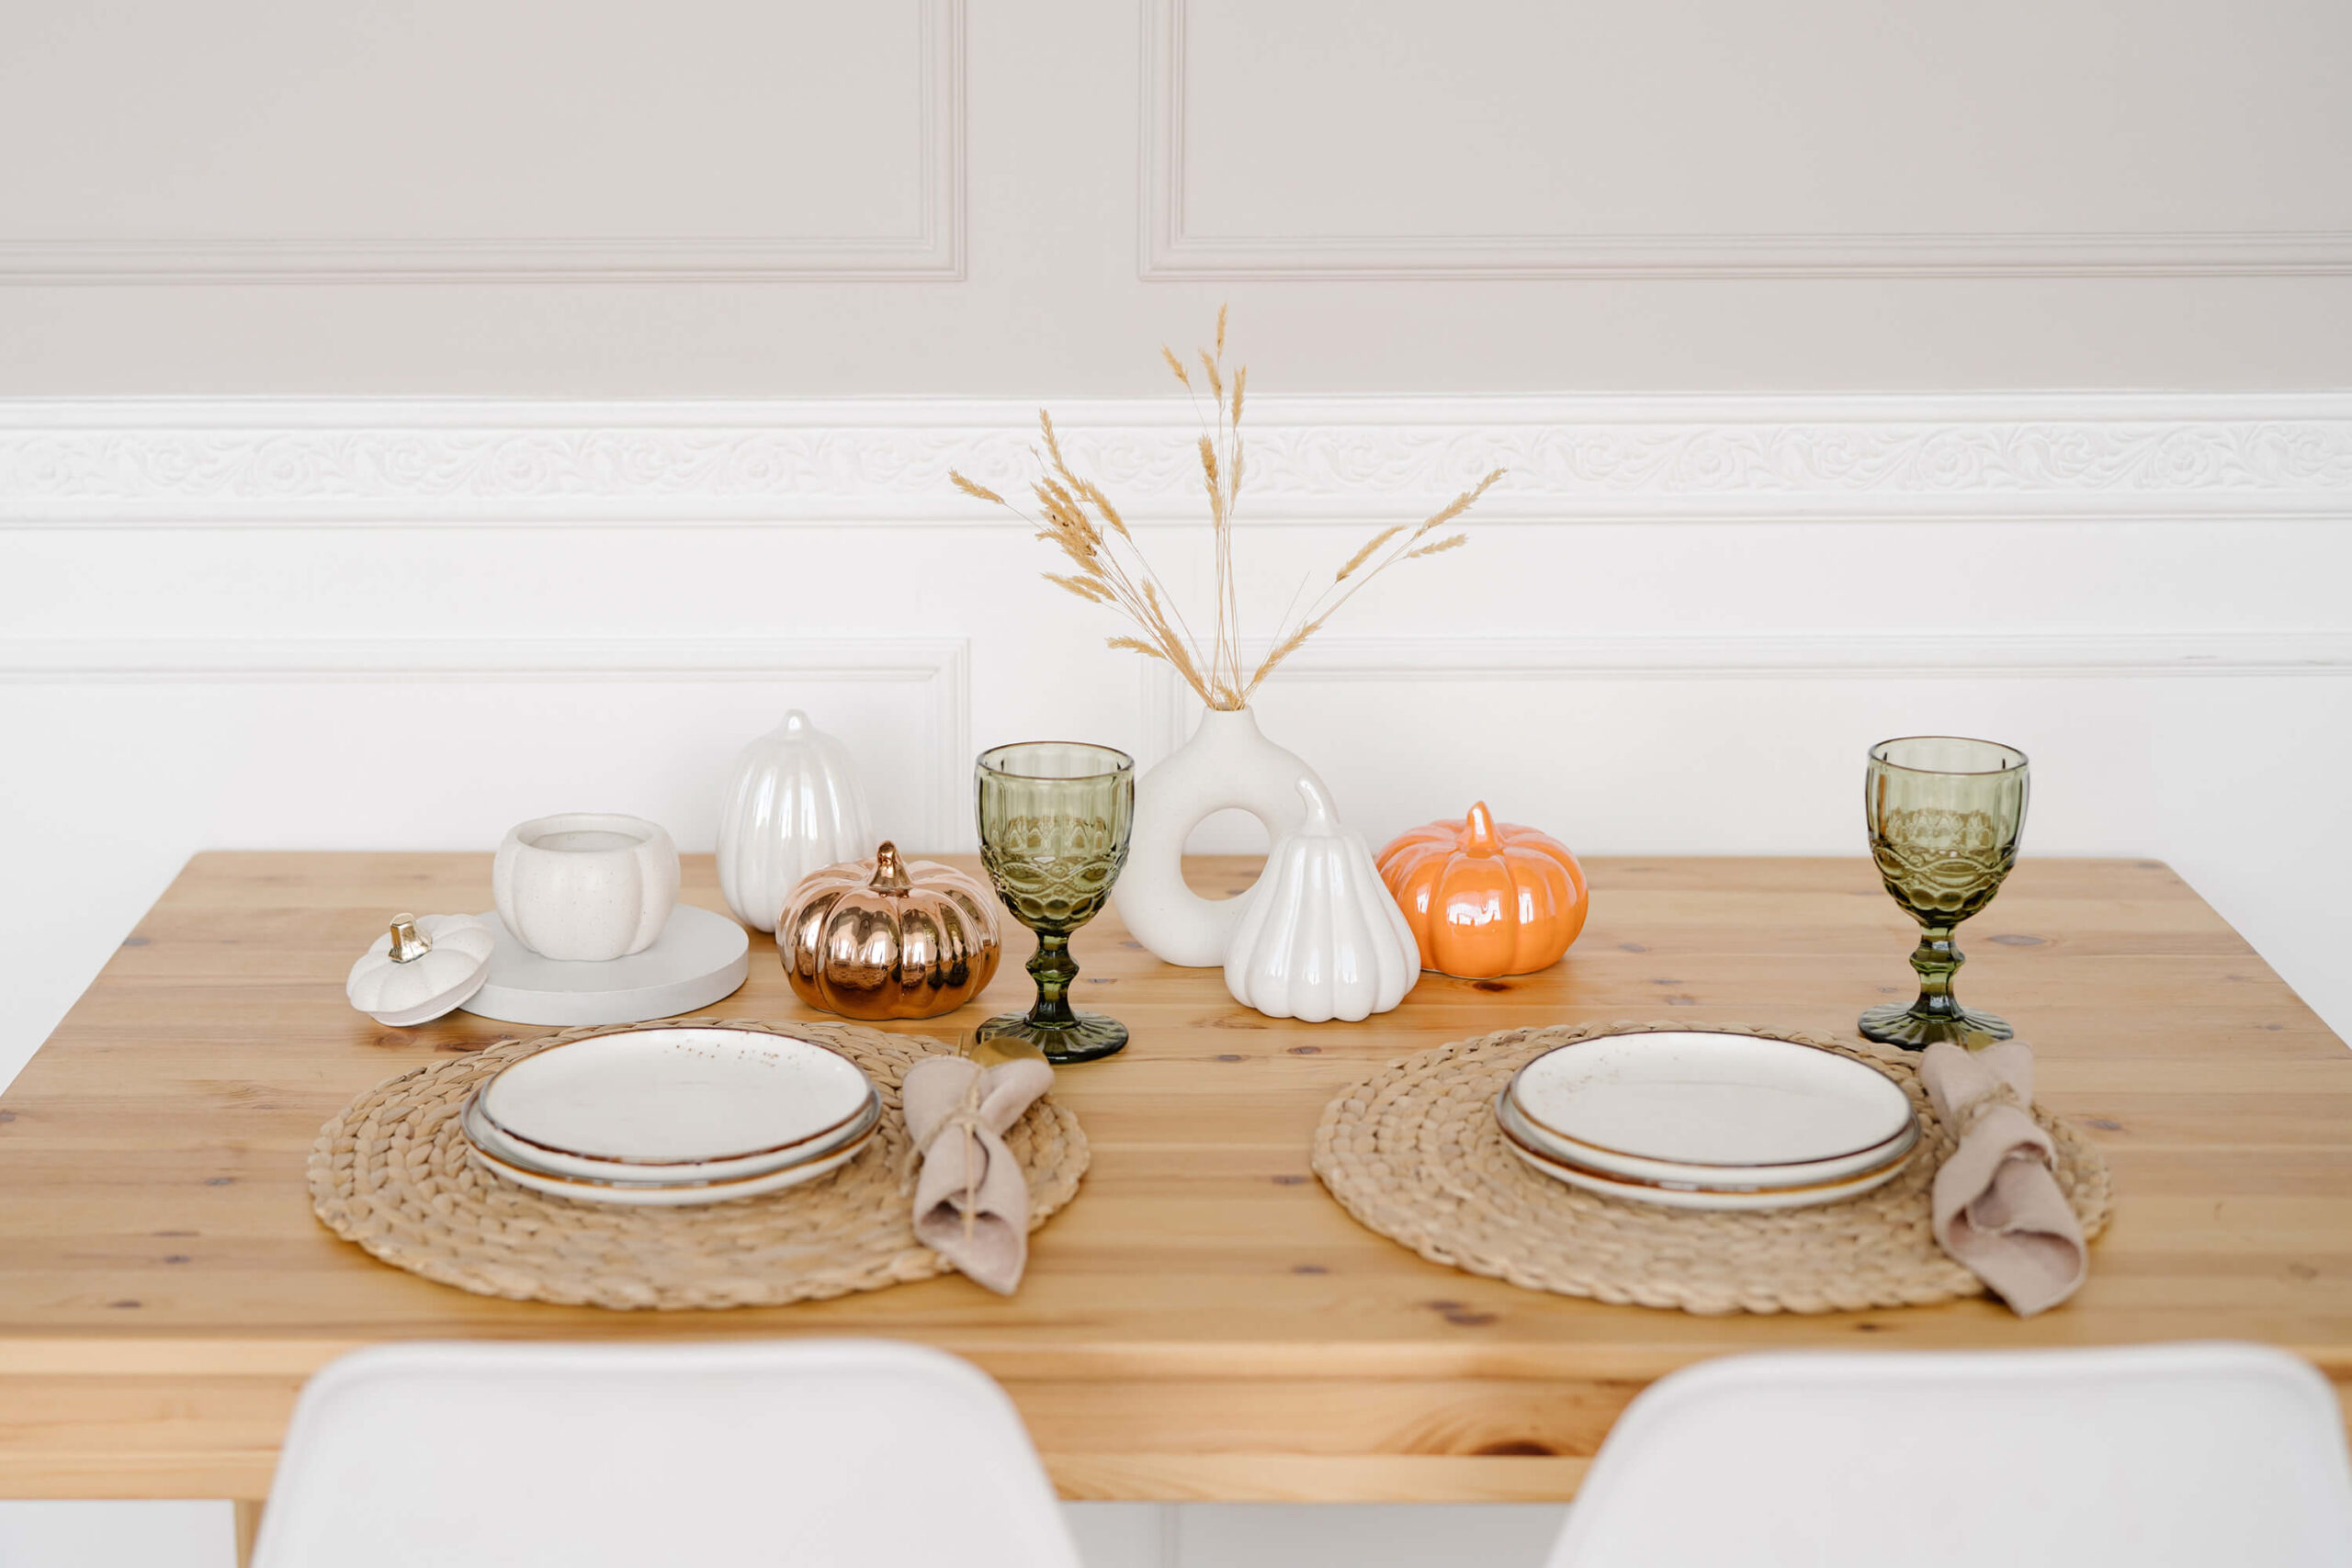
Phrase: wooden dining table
(1204, 1322)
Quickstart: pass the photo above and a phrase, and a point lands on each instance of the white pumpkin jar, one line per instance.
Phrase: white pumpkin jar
(793, 806)
(1319, 937)
(587, 886)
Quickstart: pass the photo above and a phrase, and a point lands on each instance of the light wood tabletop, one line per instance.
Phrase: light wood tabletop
(1204, 1321)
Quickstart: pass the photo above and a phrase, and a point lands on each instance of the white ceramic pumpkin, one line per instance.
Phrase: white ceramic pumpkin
(586, 886)
(424, 967)
(793, 806)
(1322, 938)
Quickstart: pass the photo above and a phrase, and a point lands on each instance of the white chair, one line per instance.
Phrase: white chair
(837, 1453)
(2180, 1456)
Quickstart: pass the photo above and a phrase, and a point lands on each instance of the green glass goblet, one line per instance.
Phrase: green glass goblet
(1054, 817)
(1944, 817)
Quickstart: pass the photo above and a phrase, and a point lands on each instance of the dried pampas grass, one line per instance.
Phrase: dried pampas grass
(1108, 567)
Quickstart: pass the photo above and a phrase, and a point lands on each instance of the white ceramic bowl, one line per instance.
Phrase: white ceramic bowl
(586, 886)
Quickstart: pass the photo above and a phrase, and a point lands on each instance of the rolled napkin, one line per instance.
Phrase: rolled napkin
(1997, 1204)
(971, 1199)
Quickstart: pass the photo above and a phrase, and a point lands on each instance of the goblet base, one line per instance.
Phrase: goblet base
(1914, 1030)
(1088, 1037)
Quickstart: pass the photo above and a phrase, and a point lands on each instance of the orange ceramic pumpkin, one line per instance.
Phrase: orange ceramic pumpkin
(1486, 897)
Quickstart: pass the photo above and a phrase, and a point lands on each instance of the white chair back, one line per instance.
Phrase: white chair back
(2180, 1456)
(815, 1453)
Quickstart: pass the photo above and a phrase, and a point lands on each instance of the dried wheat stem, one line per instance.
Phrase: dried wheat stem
(1364, 553)
(1110, 567)
(982, 491)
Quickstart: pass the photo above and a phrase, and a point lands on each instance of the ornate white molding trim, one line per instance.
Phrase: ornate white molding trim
(935, 252)
(1170, 251)
(940, 668)
(1169, 709)
(230, 462)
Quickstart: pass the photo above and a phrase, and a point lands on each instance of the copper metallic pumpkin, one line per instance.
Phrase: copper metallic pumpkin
(1485, 898)
(887, 938)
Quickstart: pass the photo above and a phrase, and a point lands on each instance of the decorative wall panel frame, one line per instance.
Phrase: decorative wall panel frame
(935, 252)
(1170, 249)
(1169, 708)
(938, 669)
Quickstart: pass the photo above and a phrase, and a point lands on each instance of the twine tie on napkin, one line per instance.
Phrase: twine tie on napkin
(1997, 1206)
(971, 1202)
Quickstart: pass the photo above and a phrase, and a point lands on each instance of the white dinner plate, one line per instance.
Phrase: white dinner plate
(667, 1195)
(1697, 1097)
(1727, 1180)
(1717, 1177)
(485, 1135)
(1689, 1197)
(675, 1096)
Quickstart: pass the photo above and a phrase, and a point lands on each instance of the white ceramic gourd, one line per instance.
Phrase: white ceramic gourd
(1227, 765)
(424, 967)
(1320, 938)
(793, 806)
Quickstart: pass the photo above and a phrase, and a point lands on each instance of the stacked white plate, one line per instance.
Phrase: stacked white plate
(672, 1116)
(1697, 1119)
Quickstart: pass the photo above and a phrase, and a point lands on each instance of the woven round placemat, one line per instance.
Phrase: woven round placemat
(390, 1174)
(1414, 1153)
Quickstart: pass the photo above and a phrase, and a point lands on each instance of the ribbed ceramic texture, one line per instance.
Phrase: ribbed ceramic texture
(389, 1173)
(1413, 1152)
(794, 806)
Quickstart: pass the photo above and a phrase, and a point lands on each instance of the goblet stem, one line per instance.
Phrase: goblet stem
(1936, 961)
(1936, 1015)
(1053, 968)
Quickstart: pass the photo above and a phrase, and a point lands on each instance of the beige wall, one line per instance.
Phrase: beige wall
(902, 197)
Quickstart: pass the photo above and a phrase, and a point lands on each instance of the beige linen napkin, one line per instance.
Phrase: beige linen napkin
(1997, 1204)
(971, 1199)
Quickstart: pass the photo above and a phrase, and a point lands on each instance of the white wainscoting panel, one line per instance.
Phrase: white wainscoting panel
(1169, 710)
(1494, 139)
(904, 704)
(453, 140)
(2186, 748)
(308, 624)
(133, 753)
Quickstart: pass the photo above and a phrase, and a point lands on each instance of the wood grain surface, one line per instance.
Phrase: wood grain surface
(1202, 1322)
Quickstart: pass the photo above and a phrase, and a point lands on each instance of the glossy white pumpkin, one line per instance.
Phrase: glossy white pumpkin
(423, 987)
(793, 806)
(1320, 936)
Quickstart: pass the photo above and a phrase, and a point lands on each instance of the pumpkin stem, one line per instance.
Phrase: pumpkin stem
(1479, 836)
(889, 871)
(1320, 818)
(408, 942)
